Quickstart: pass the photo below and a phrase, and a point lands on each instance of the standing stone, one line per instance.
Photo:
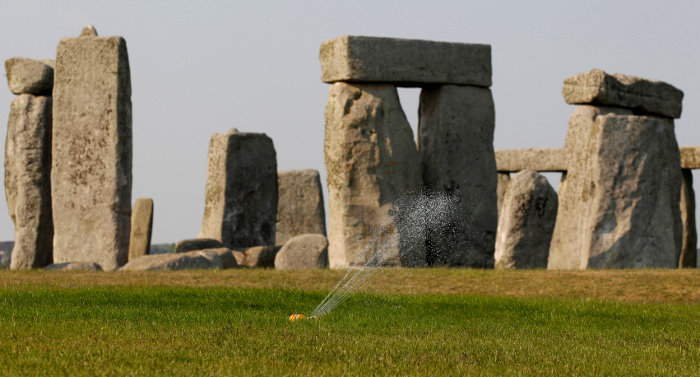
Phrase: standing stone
(303, 252)
(300, 206)
(141, 228)
(241, 194)
(371, 160)
(92, 151)
(628, 211)
(29, 76)
(526, 222)
(689, 253)
(501, 186)
(28, 180)
(456, 145)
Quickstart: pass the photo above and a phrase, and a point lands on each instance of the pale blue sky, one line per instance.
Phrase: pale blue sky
(205, 67)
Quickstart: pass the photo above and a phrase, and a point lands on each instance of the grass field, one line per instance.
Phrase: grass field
(408, 322)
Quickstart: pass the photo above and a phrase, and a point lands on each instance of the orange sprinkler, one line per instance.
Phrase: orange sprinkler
(296, 317)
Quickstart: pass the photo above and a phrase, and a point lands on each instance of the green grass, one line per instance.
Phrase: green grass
(219, 330)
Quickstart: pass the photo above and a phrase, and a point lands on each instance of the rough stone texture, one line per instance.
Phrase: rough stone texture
(300, 205)
(141, 228)
(620, 205)
(92, 151)
(29, 76)
(536, 159)
(502, 185)
(690, 157)
(258, 256)
(643, 96)
(227, 258)
(307, 251)
(28, 180)
(192, 260)
(74, 266)
(526, 222)
(371, 160)
(241, 194)
(456, 142)
(689, 252)
(88, 31)
(240, 257)
(185, 246)
(404, 62)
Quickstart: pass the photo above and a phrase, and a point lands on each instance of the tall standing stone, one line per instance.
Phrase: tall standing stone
(241, 195)
(300, 206)
(501, 187)
(28, 180)
(689, 251)
(141, 228)
(526, 222)
(92, 151)
(456, 146)
(371, 159)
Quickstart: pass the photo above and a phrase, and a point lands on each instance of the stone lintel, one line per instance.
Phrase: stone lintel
(535, 159)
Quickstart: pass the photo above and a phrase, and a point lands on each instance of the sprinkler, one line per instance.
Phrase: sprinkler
(297, 317)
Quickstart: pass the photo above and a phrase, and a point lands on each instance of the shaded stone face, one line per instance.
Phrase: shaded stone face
(689, 252)
(29, 76)
(371, 160)
(300, 206)
(456, 146)
(92, 151)
(28, 180)
(526, 222)
(628, 211)
(241, 194)
(141, 228)
(306, 251)
(185, 246)
(644, 96)
(192, 260)
(407, 62)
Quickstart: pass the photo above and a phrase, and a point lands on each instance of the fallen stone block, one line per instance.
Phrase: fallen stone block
(300, 206)
(227, 258)
(192, 260)
(29, 76)
(74, 266)
(185, 246)
(535, 159)
(643, 96)
(258, 256)
(404, 62)
(307, 251)
(526, 222)
(141, 228)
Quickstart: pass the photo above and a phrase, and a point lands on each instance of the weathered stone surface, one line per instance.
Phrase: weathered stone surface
(526, 222)
(621, 205)
(141, 228)
(74, 266)
(300, 205)
(690, 157)
(192, 260)
(456, 142)
(88, 31)
(197, 244)
(536, 159)
(240, 257)
(28, 180)
(689, 252)
(404, 62)
(227, 258)
(258, 256)
(307, 251)
(29, 76)
(502, 185)
(92, 151)
(241, 194)
(371, 160)
(643, 96)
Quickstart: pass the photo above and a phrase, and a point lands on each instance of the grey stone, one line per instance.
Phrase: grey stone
(536, 159)
(371, 160)
(197, 244)
(627, 212)
(228, 260)
(92, 151)
(404, 62)
(307, 251)
(74, 266)
(300, 205)
(241, 194)
(456, 143)
(141, 228)
(690, 157)
(192, 260)
(526, 222)
(644, 96)
(28, 180)
(259, 256)
(29, 76)
(502, 185)
(689, 252)
(88, 31)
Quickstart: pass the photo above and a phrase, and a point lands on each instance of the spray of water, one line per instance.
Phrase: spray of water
(410, 219)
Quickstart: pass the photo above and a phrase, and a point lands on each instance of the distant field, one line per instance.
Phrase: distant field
(409, 322)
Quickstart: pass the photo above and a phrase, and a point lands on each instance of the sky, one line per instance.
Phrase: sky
(206, 67)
